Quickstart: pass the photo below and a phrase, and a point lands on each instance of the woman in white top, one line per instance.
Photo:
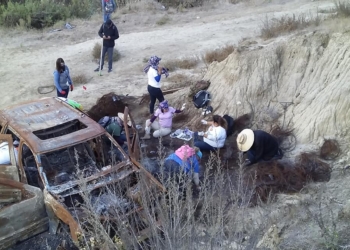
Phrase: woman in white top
(215, 136)
(154, 73)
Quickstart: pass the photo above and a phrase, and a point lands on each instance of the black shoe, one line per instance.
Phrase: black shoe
(98, 69)
(110, 70)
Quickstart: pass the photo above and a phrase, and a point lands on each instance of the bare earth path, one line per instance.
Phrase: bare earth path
(28, 59)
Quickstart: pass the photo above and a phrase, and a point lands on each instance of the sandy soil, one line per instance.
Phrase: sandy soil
(28, 58)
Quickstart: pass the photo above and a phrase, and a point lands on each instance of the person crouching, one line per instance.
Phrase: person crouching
(185, 161)
(163, 125)
(259, 145)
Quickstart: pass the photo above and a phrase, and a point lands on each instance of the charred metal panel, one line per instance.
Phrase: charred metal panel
(23, 219)
(46, 113)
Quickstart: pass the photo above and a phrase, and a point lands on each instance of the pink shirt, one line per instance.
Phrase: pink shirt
(165, 119)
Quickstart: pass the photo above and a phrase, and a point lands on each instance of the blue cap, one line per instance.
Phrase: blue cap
(199, 154)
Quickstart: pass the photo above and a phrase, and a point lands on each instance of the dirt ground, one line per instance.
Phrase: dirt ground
(28, 57)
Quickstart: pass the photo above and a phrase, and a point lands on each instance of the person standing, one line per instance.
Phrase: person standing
(62, 79)
(108, 7)
(109, 33)
(154, 72)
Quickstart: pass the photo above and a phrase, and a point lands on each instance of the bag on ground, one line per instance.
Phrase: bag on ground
(201, 99)
(230, 125)
(104, 121)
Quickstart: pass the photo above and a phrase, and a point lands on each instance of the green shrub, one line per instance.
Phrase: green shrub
(43, 13)
(183, 3)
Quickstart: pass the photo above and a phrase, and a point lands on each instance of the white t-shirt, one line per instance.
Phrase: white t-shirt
(216, 136)
(152, 73)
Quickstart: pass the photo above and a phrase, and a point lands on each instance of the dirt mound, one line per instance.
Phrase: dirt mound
(269, 178)
(311, 94)
(108, 105)
(329, 150)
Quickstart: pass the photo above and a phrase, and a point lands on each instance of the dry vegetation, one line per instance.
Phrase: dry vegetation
(218, 54)
(276, 27)
(96, 53)
(178, 81)
(185, 63)
(163, 20)
(79, 79)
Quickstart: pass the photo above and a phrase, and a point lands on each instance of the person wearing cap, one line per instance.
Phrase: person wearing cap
(185, 160)
(214, 138)
(162, 120)
(116, 127)
(109, 33)
(154, 73)
(259, 146)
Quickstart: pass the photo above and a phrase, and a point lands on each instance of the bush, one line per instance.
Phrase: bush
(186, 63)
(218, 54)
(40, 14)
(183, 3)
(96, 53)
(276, 27)
(342, 8)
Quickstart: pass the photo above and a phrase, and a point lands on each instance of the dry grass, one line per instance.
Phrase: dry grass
(275, 27)
(218, 54)
(179, 81)
(163, 20)
(79, 79)
(96, 53)
(342, 8)
(186, 63)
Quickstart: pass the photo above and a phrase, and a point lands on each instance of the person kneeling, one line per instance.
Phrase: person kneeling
(163, 125)
(185, 161)
(215, 136)
(259, 145)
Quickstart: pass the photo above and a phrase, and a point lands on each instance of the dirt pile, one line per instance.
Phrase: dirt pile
(303, 77)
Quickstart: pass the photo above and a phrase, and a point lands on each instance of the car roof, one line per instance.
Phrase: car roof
(31, 116)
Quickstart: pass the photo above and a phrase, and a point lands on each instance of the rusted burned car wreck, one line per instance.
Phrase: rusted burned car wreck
(75, 161)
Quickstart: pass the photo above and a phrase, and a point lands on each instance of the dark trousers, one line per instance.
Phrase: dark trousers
(65, 95)
(110, 56)
(155, 93)
(199, 143)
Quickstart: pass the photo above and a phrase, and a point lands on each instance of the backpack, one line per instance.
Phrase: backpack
(201, 99)
(230, 125)
(109, 7)
(105, 121)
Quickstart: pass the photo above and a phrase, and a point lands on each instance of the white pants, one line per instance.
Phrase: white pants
(158, 131)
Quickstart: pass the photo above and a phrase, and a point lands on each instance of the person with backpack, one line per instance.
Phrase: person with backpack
(115, 127)
(108, 7)
(162, 126)
(62, 79)
(214, 138)
(154, 73)
(109, 33)
(259, 145)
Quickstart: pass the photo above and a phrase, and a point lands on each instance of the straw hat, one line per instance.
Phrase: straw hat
(121, 116)
(245, 140)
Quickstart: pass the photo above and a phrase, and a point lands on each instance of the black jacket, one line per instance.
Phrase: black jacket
(109, 31)
(265, 147)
